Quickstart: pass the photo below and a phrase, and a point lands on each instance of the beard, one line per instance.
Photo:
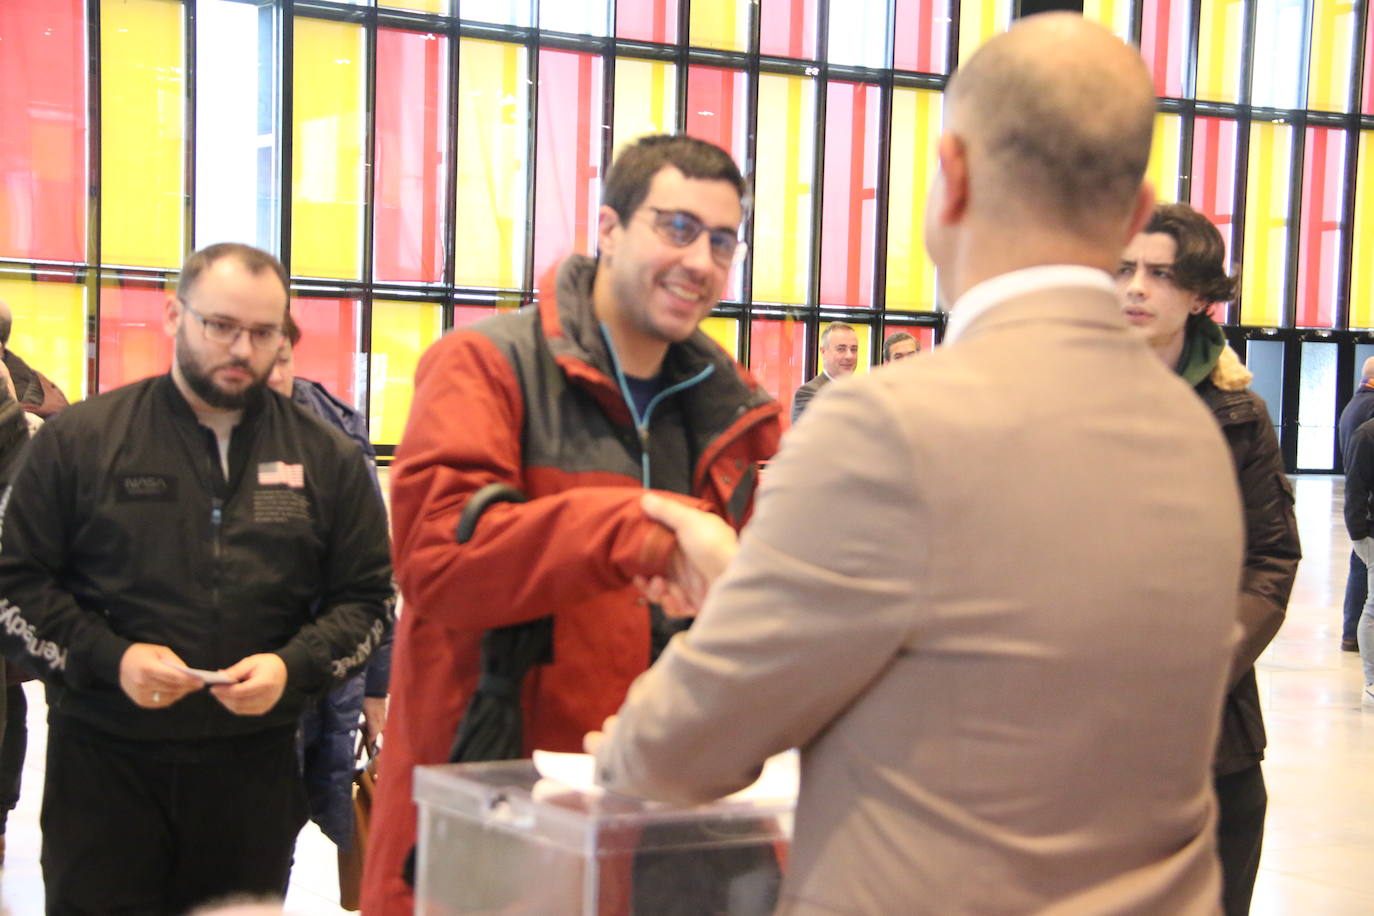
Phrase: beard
(198, 379)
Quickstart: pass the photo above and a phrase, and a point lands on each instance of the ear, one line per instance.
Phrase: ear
(171, 314)
(1144, 206)
(607, 222)
(1199, 306)
(952, 179)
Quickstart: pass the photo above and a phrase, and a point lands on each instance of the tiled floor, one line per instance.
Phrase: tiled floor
(1321, 756)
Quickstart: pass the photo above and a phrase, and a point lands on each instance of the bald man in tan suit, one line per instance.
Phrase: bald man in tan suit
(1003, 661)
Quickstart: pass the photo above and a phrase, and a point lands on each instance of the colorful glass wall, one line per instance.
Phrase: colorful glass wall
(419, 165)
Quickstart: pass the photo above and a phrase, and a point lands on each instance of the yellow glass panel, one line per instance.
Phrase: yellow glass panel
(142, 133)
(979, 20)
(915, 130)
(327, 150)
(722, 24)
(864, 333)
(1362, 264)
(724, 331)
(782, 190)
(424, 6)
(493, 130)
(50, 330)
(1164, 156)
(1328, 81)
(401, 332)
(1218, 62)
(645, 100)
(1114, 14)
(1266, 224)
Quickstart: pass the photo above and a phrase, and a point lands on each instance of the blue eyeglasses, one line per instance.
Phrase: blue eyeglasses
(680, 228)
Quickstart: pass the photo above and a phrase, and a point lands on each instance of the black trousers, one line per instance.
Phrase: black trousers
(14, 743)
(137, 828)
(1241, 803)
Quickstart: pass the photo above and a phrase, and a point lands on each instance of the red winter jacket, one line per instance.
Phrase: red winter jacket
(529, 399)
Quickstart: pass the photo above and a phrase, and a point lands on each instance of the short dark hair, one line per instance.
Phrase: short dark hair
(1200, 253)
(255, 260)
(627, 180)
(291, 329)
(835, 326)
(895, 338)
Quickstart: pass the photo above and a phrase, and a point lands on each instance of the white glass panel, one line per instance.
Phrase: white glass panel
(858, 33)
(584, 17)
(1317, 407)
(1279, 33)
(506, 12)
(237, 173)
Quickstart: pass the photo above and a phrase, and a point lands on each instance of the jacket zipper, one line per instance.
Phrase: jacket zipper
(642, 423)
(217, 544)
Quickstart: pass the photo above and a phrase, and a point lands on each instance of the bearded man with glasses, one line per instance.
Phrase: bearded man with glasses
(184, 560)
(516, 486)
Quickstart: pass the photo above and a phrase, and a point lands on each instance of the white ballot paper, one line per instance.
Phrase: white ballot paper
(778, 780)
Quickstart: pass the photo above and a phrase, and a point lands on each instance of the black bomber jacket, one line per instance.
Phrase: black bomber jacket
(120, 527)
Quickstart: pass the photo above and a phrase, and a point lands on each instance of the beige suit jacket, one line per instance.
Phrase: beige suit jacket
(1002, 661)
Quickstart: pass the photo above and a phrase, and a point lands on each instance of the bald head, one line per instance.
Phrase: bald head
(6, 324)
(1368, 370)
(1057, 115)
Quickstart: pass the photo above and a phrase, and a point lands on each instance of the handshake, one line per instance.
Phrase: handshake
(705, 546)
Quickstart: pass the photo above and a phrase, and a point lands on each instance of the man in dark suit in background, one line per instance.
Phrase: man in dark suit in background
(900, 345)
(1359, 409)
(839, 356)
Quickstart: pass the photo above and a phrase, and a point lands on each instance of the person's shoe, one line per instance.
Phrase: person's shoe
(1367, 695)
(1350, 645)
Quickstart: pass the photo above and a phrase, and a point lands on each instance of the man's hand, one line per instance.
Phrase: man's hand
(705, 546)
(374, 716)
(261, 679)
(146, 678)
(593, 740)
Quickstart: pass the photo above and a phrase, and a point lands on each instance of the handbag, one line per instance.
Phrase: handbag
(351, 859)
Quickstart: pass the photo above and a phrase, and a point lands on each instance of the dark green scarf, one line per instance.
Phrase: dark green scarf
(1202, 346)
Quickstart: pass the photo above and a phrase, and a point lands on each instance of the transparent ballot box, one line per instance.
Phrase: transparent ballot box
(494, 838)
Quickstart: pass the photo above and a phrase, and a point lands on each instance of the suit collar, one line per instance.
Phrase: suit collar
(1016, 285)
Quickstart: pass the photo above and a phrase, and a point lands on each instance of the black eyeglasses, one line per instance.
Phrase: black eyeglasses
(680, 228)
(227, 332)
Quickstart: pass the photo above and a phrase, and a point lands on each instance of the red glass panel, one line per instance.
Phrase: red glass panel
(1214, 173)
(788, 28)
(464, 315)
(328, 349)
(647, 20)
(921, 36)
(133, 343)
(1323, 190)
(411, 143)
(569, 157)
(43, 138)
(850, 200)
(1163, 41)
(777, 357)
(716, 104)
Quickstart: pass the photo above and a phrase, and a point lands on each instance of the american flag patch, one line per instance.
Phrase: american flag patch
(279, 472)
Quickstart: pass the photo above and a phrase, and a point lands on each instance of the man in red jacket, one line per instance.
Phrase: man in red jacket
(515, 491)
